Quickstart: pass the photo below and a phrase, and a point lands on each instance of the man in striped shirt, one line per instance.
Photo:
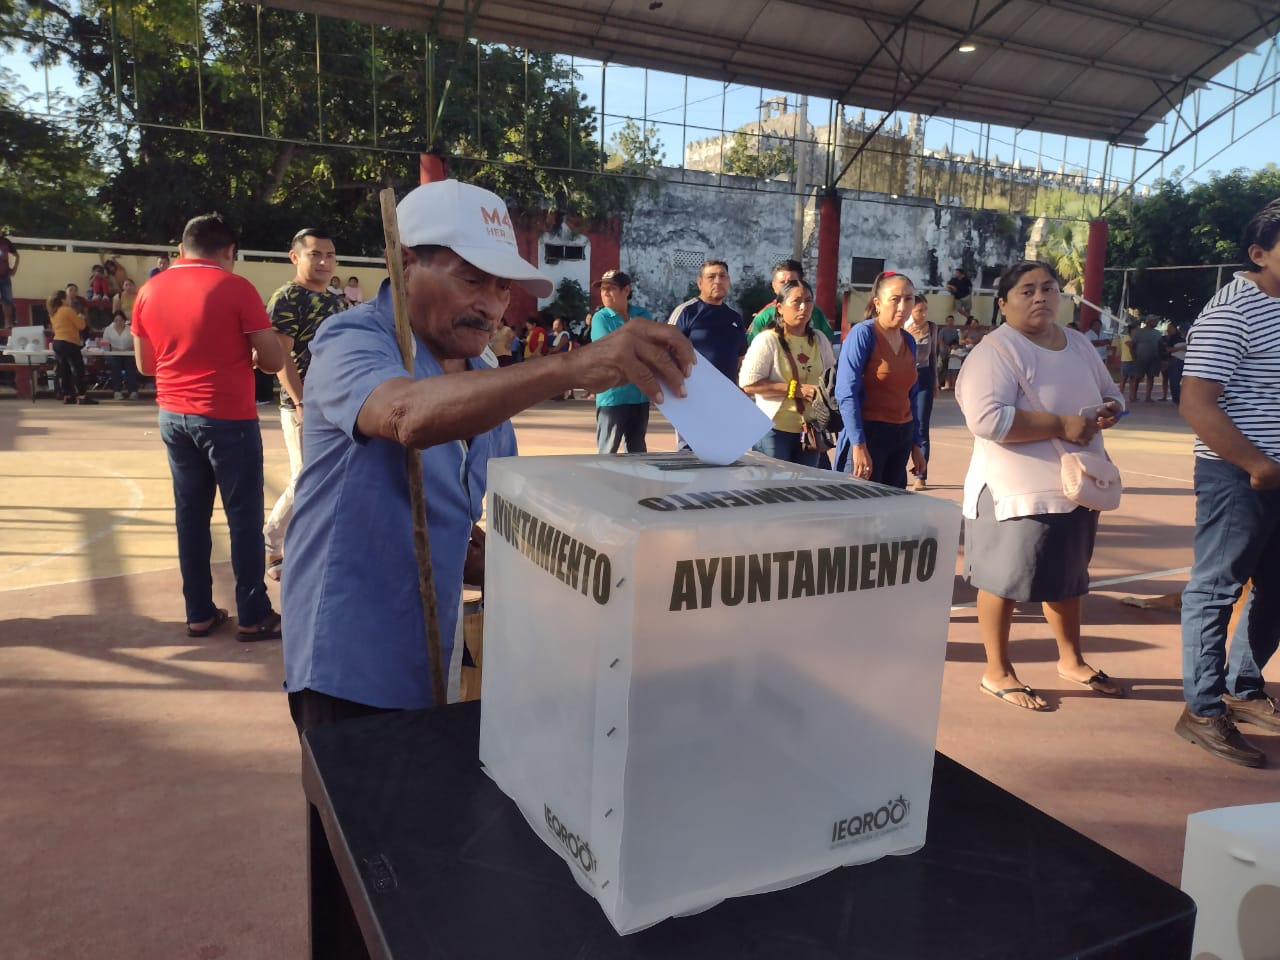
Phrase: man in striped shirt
(1231, 398)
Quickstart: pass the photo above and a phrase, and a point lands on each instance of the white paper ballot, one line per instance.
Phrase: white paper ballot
(718, 421)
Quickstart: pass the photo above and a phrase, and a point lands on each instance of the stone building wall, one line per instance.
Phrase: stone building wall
(670, 233)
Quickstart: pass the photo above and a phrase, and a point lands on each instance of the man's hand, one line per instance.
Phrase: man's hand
(650, 355)
(1266, 476)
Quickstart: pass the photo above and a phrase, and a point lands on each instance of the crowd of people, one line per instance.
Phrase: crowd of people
(1035, 394)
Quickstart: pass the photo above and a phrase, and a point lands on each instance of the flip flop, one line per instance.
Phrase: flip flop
(267, 629)
(1003, 694)
(1098, 683)
(220, 617)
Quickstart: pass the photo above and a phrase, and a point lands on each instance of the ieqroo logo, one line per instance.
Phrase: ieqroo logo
(864, 826)
(578, 848)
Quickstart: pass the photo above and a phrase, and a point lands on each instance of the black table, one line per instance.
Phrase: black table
(415, 853)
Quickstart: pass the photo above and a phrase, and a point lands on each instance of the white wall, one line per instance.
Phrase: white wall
(579, 270)
(668, 233)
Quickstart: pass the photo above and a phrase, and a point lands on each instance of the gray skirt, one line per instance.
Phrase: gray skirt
(1037, 558)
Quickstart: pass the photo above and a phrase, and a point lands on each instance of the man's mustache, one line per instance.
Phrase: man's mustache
(474, 323)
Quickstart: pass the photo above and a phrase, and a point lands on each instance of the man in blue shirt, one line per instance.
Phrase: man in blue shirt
(715, 328)
(354, 640)
(622, 413)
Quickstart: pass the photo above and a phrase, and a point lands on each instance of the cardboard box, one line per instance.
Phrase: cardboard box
(702, 682)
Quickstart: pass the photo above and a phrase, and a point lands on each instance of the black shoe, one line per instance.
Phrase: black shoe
(1261, 711)
(87, 402)
(1220, 737)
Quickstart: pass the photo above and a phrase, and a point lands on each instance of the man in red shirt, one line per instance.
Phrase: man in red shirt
(200, 330)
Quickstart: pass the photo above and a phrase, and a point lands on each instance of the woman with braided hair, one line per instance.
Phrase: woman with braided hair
(782, 370)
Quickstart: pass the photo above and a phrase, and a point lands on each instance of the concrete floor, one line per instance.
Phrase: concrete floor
(151, 805)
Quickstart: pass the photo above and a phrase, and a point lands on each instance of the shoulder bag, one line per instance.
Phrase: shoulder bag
(1089, 479)
(815, 436)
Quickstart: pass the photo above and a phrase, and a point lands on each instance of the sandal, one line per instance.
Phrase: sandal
(1098, 683)
(274, 566)
(220, 617)
(1004, 694)
(267, 629)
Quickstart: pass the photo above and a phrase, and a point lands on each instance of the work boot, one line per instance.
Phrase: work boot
(1260, 711)
(1220, 737)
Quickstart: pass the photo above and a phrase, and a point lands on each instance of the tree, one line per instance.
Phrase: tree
(1186, 227)
(1066, 256)
(753, 295)
(635, 151)
(49, 184)
(747, 158)
(230, 112)
(570, 303)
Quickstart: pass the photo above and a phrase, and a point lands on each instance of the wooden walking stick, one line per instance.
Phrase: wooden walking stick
(417, 496)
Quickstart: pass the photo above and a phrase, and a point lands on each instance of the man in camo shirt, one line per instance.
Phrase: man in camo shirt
(297, 309)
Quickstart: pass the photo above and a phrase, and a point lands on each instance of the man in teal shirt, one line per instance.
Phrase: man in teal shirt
(785, 271)
(622, 413)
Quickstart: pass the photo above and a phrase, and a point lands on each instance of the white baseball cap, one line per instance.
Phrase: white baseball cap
(474, 224)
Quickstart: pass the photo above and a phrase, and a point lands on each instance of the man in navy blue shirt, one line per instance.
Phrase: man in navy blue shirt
(715, 329)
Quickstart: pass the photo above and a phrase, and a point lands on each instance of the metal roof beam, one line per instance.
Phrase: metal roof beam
(1269, 25)
(1139, 23)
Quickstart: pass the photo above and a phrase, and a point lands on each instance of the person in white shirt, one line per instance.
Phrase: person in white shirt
(1024, 540)
(118, 338)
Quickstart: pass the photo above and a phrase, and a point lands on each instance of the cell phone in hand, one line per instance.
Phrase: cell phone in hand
(1101, 410)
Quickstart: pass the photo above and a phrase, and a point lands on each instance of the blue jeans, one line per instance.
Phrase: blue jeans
(926, 377)
(1175, 379)
(70, 358)
(124, 374)
(1237, 538)
(889, 445)
(623, 421)
(782, 445)
(208, 456)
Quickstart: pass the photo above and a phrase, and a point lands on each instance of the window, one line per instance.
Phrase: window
(688, 260)
(864, 270)
(556, 252)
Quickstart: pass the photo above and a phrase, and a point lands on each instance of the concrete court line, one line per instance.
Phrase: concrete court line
(136, 499)
(1109, 582)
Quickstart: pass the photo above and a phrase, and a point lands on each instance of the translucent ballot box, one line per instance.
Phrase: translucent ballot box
(702, 682)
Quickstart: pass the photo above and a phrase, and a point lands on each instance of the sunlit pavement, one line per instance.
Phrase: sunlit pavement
(152, 805)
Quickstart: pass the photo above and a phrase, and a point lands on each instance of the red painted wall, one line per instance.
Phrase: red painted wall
(606, 252)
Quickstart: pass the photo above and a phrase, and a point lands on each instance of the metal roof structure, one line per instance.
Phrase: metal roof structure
(1102, 69)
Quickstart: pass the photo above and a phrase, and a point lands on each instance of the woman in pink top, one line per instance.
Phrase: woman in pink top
(1024, 540)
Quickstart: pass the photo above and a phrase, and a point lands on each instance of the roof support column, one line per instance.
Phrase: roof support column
(431, 168)
(1095, 259)
(829, 252)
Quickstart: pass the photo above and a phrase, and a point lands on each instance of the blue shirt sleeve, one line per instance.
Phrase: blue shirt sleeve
(912, 393)
(604, 322)
(685, 320)
(350, 357)
(849, 391)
